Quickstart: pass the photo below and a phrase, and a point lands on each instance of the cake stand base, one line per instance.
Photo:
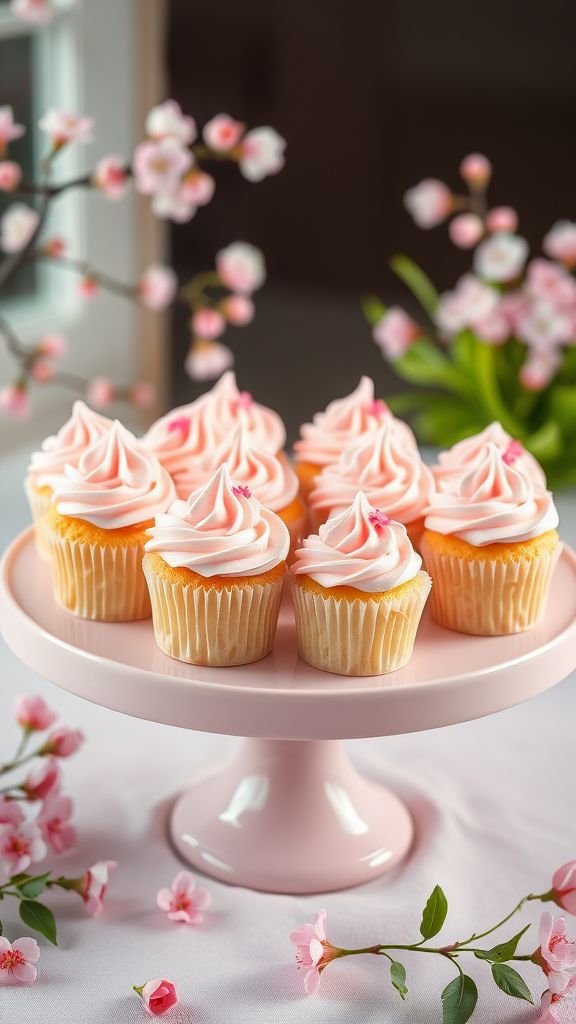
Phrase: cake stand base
(291, 816)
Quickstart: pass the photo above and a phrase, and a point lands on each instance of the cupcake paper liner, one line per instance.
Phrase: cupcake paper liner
(359, 637)
(489, 597)
(40, 505)
(211, 625)
(99, 582)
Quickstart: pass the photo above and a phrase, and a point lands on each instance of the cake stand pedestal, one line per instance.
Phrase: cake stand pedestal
(289, 813)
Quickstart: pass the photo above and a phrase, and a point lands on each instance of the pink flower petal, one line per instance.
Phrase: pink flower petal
(184, 883)
(311, 981)
(28, 947)
(164, 899)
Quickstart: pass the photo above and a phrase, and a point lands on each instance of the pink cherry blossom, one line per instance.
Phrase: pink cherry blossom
(547, 280)
(111, 176)
(501, 257)
(20, 845)
(42, 780)
(174, 205)
(261, 153)
(476, 170)
(471, 302)
(87, 288)
(564, 885)
(206, 360)
(15, 401)
(208, 323)
(33, 713)
(241, 267)
(63, 127)
(494, 328)
(157, 286)
(54, 248)
(395, 332)
(53, 821)
(313, 951)
(142, 394)
(9, 129)
(54, 346)
(17, 227)
(560, 242)
(558, 1007)
(502, 218)
(185, 899)
(93, 885)
(63, 741)
(18, 960)
(428, 203)
(222, 133)
(544, 326)
(10, 175)
(539, 369)
(101, 392)
(10, 812)
(158, 995)
(466, 230)
(42, 371)
(159, 165)
(557, 953)
(197, 188)
(238, 310)
(167, 121)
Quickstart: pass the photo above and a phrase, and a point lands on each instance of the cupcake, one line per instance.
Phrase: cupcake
(185, 435)
(344, 421)
(491, 547)
(448, 470)
(359, 591)
(56, 452)
(97, 526)
(389, 471)
(215, 567)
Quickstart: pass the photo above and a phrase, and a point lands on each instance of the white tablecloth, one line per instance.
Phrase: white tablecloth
(494, 806)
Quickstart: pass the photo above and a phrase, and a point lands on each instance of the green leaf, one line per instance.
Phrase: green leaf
(447, 422)
(417, 281)
(33, 886)
(503, 951)
(16, 879)
(563, 407)
(510, 982)
(425, 363)
(459, 1000)
(373, 309)
(1, 928)
(546, 443)
(434, 913)
(398, 978)
(40, 918)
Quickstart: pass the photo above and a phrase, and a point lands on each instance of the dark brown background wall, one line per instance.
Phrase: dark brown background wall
(371, 96)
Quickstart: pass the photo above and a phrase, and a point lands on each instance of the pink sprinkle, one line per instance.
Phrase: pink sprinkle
(244, 400)
(513, 452)
(240, 489)
(378, 519)
(377, 407)
(180, 423)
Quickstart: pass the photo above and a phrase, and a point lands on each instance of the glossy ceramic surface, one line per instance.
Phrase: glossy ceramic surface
(285, 816)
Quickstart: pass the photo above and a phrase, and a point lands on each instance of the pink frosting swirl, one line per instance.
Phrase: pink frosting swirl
(456, 460)
(188, 433)
(116, 483)
(344, 421)
(220, 531)
(388, 470)
(361, 548)
(495, 504)
(67, 446)
(272, 481)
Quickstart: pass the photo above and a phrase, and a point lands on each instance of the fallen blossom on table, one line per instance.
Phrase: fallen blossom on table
(158, 996)
(185, 900)
(18, 960)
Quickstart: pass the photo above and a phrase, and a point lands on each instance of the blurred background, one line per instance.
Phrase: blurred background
(370, 97)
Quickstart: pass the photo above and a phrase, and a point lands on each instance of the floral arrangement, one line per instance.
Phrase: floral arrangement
(35, 820)
(555, 954)
(502, 344)
(168, 166)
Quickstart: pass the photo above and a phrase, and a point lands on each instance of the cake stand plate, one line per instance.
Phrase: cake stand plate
(289, 813)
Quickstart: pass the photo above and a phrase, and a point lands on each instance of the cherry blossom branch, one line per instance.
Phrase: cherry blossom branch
(555, 955)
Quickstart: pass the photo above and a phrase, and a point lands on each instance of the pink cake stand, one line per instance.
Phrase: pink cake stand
(289, 813)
